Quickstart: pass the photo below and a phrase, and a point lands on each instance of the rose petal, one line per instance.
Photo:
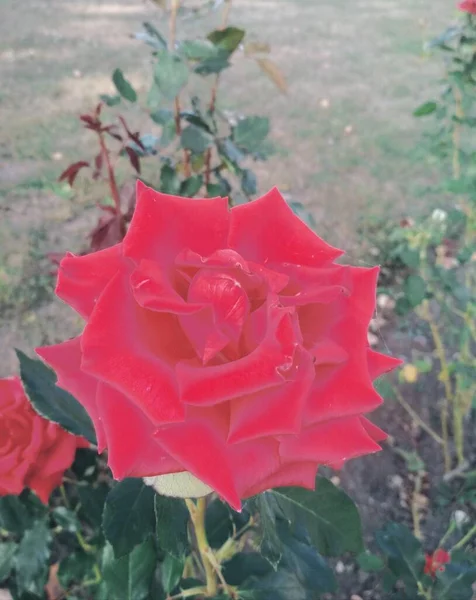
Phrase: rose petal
(65, 360)
(199, 448)
(375, 432)
(132, 449)
(261, 369)
(253, 461)
(329, 442)
(43, 486)
(379, 364)
(128, 347)
(267, 230)
(163, 225)
(81, 279)
(152, 289)
(276, 410)
(302, 474)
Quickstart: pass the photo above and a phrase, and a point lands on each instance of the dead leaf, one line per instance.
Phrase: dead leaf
(53, 588)
(272, 70)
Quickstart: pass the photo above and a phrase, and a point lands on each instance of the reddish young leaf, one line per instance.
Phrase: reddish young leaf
(109, 230)
(98, 162)
(132, 136)
(91, 122)
(134, 158)
(72, 171)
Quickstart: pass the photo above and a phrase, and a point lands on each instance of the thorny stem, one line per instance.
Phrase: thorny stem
(172, 36)
(213, 99)
(463, 541)
(79, 536)
(415, 508)
(110, 174)
(422, 592)
(457, 133)
(197, 513)
(445, 378)
(416, 417)
(448, 533)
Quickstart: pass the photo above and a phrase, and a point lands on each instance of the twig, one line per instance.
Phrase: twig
(172, 37)
(213, 99)
(415, 507)
(416, 417)
(463, 541)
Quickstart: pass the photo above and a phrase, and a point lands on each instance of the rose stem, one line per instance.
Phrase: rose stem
(213, 100)
(178, 127)
(197, 513)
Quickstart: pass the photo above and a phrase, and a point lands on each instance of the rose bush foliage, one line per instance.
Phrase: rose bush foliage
(223, 343)
(34, 452)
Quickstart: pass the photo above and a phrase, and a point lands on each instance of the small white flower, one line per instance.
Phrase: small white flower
(460, 518)
(439, 215)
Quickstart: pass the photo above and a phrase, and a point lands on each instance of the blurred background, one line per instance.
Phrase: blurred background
(362, 113)
(345, 142)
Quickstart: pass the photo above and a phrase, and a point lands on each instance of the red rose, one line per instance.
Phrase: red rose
(222, 343)
(34, 452)
(434, 562)
(468, 6)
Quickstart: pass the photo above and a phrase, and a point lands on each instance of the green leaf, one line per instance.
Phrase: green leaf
(410, 257)
(455, 582)
(110, 100)
(169, 131)
(152, 37)
(195, 139)
(198, 49)
(370, 562)
(155, 33)
(404, 552)
(227, 39)
(271, 546)
(212, 65)
(229, 150)
(92, 503)
(171, 571)
(31, 560)
(248, 182)
(169, 181)
(52, 402)
(425, 109)
(250, 132)
(154, 97)
(302, 559)
(124, 88)
(279, 585)
(129, 577)
(222, 188)
(384, 388)
(330, 516)
(75, 568)
(128, 515)
(14, 516)
(170, 74)
(7, 556)
(66, 519)
(171, 525)
(191, 186)
(244, 565)
(162, 116)
(414, 289)
(218, 523)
